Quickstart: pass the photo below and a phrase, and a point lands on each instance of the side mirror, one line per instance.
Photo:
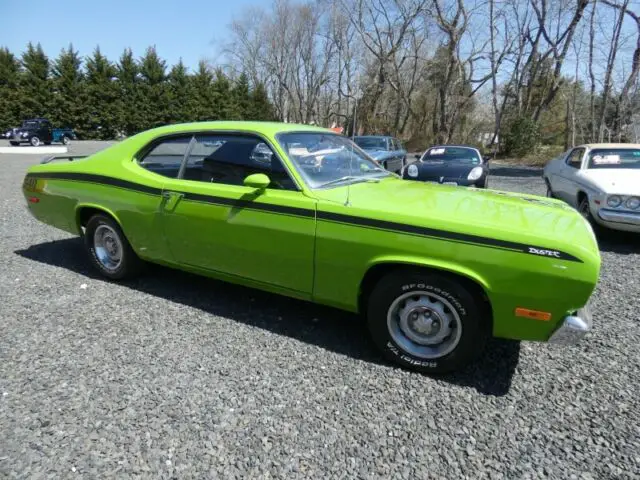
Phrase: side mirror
(417, 155)
(486, 159)
(257, 180)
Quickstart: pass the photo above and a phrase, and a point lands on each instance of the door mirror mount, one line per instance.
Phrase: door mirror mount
(257, 180)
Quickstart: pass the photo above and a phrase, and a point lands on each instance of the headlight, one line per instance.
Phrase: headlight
(25, 134)
(614, 201)
(412, 171)
(475, 173)
(633, 203)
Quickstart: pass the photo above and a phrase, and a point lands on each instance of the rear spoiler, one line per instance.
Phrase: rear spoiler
(69, 158)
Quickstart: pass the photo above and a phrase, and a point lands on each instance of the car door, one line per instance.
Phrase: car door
(565, 178)
(45, 132)
(213, 221)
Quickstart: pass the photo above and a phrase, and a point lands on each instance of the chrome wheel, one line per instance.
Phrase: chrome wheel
(424, 324)
(35, 141)
(65, 140)
(108, 247)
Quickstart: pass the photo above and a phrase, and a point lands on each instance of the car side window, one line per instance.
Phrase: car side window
(574, 160)
(229, 159)
(166, 156)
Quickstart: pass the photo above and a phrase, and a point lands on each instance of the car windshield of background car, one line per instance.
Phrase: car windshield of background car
(371, 143)
(328, 159)
(458, 155)
(614, 158)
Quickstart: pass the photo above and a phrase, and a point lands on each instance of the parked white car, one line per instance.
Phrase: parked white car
(602, 181)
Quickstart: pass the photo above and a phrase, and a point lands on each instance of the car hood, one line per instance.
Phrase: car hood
(446, 168)
(376, 153)
(615, 180)
(512, 217)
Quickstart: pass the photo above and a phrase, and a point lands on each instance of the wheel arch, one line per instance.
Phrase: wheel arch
(383, 266)
(85, 211)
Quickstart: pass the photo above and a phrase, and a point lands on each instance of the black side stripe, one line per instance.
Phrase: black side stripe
(100, 179)
(230, 202)
(447, 235)
(328, 216)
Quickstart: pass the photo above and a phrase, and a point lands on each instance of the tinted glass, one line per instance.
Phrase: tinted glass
(614, 158)
(30, 124)
(229, 159)
(452, 154)
(165, 158)
(371, 143)
(325, 159)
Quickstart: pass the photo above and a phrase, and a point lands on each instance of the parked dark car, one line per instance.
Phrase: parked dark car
(387, 151)
(450, 165)
(37, 131)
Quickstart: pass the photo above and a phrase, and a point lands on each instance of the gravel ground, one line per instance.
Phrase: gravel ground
(176, 376)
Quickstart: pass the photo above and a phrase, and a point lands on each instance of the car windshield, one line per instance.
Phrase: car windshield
(371, 143)
(326, 159)
(30, 124)
(452, 154)
(614, 158)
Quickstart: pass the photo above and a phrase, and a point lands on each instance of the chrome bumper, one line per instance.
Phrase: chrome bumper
(572, 328)
(619, 217)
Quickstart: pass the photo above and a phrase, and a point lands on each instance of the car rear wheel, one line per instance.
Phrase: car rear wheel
(429, 322)
(109, 250)
(66, 140)
(35, 141)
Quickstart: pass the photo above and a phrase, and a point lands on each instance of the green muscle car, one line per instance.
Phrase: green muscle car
(304, 212)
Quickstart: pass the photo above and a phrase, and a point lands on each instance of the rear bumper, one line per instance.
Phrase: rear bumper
(572, 328)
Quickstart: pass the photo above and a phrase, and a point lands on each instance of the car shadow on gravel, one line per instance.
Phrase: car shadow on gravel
(623, 243)
(508, 171)
(328, 328)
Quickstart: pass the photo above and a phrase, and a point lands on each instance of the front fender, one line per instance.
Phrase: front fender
(432, 263)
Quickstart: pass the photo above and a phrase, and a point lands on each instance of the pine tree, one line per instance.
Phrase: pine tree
(103, 94)
(242, 98)
(35, 90)
(9, 100)
(205, 98)
(68, 108)
(127, 72)
(224, 104)
(261, 107)
(181, 107)
(154, 90)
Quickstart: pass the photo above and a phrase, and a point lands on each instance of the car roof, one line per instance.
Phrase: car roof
(609, 145)
(455, 146)
(269, 128)
(373, 136)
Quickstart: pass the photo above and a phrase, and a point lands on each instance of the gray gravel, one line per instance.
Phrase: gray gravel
(176, 376)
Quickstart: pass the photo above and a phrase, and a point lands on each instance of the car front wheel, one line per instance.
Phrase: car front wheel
(429, 322)
(35, 141)
(108, 248)
(66, 140)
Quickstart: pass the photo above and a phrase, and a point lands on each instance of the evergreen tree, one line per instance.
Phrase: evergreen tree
(103, 95)
(127, 72)
(224, 103)
(261, 107)
(182, 98)
(9, 100)
(69, 95)
(154, 90)
(35, 90)
(242, 98)
(205, 97)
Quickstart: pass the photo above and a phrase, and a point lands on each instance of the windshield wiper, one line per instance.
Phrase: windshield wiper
(349, 177)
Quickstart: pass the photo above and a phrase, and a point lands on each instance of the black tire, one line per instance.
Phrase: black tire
(549, 193)
(129, 266)
(47, 143)
(585, 211)
(14, 144)
(66, 140)
(34, 141)
(465, 301)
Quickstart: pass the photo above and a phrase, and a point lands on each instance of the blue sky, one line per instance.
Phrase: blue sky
(190, 29)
